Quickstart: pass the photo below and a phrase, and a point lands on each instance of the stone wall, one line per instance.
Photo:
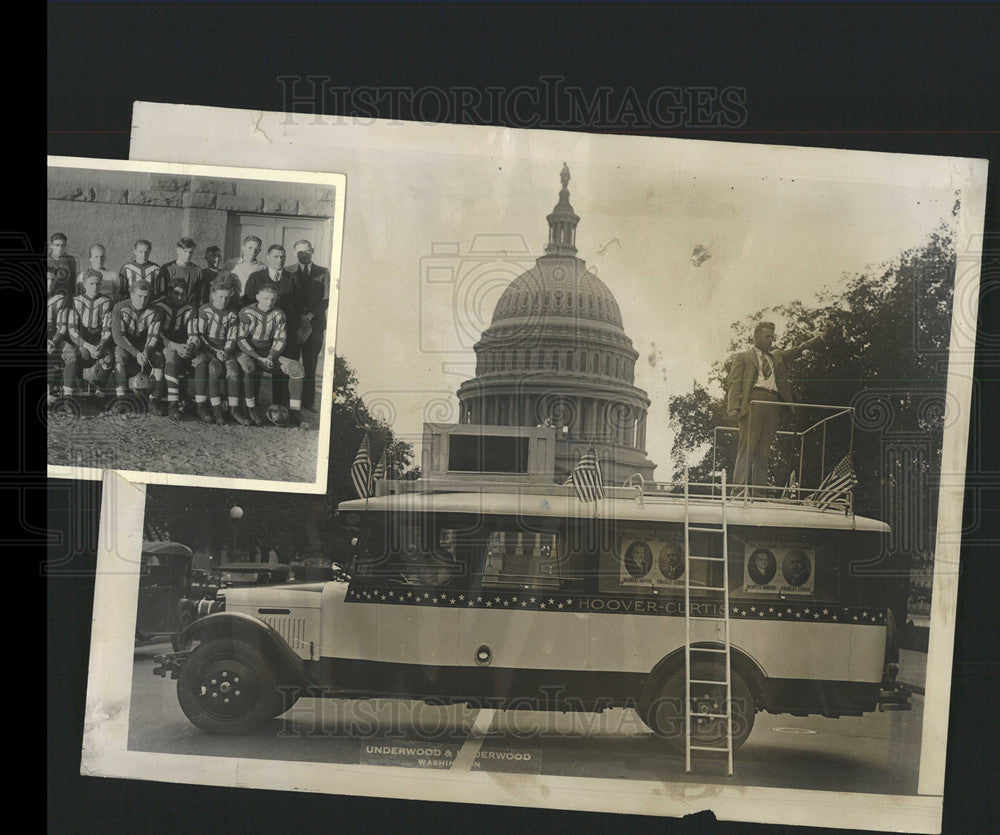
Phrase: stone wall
(114, 208)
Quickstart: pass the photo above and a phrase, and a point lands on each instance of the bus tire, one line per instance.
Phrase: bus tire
(665, 712)
(227, 687)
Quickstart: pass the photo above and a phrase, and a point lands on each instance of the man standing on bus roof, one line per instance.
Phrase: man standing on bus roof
(760, 373)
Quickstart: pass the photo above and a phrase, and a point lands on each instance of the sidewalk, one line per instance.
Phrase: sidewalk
(912, 669)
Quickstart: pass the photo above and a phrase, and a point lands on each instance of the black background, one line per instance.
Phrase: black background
(921, 79)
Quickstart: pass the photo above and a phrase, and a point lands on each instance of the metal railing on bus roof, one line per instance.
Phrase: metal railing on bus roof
(635, 486)
(640, 490)
(739, 494)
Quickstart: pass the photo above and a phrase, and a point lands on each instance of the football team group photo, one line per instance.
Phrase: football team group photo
(176, 304)
(218, 328)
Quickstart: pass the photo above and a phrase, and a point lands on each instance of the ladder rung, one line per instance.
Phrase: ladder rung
(706, 559)
(709, 715)
(705, 530)
(709, 588)
(708, 748)
(706, 649)
(723, 682)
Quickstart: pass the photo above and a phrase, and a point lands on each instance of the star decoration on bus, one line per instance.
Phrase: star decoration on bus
(622, 604)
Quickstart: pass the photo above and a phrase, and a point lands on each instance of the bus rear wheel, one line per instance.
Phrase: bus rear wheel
(227, 687)
(665, 713)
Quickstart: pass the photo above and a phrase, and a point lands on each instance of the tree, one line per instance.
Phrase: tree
(886, 357)
(298, 526)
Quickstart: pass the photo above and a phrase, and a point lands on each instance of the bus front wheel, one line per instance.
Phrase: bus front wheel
(227, 687)
(665, 713)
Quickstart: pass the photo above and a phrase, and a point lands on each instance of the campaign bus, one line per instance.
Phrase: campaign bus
(492, 582)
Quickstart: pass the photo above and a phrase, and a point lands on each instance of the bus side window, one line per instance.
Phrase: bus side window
(522, 559)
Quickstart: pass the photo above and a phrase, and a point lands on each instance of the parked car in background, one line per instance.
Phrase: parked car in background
(164, 586)
(240, 574)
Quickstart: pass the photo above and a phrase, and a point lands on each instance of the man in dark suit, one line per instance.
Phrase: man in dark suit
(291, 300)
(759, 374)
(316, 283)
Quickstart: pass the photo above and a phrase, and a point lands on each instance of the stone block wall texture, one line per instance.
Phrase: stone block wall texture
(114, 208)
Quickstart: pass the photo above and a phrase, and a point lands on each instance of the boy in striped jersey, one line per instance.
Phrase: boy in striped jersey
(182, 267)
(88, 326)
(263, 334)
(134, 328)
(140, 268)
(180, 341)
(216, 330)
(112, 284)
(55, 331)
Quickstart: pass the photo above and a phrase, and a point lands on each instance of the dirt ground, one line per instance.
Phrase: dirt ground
(150, 443)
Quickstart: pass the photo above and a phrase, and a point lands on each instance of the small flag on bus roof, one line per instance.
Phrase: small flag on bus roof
(586, 477)
(837, 484)
(361, 469)
(380, 468)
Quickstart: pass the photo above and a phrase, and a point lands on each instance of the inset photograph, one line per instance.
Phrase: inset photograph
(190, 322)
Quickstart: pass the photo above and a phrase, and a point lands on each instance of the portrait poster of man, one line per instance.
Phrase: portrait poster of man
(637, 561)
(655, 561)
(776, 567)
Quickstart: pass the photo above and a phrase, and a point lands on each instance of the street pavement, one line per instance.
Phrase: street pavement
(877, 753)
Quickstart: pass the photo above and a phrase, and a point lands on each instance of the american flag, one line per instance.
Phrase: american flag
(838, 482)
(380, 468)
(586, 477)
(361, 469)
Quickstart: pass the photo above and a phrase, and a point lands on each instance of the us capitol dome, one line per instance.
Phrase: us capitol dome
(556, 353)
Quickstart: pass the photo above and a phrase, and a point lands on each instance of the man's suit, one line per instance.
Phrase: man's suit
(754, 450)
(316, 292)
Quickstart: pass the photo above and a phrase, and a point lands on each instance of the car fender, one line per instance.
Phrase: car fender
(242, 627)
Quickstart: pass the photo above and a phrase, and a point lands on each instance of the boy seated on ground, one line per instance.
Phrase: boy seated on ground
(216, 328)
(262, 337)
(55, 333)
(134, 329)
(88, 322)
(179, 338)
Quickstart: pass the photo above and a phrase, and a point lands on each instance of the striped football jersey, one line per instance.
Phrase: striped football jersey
(263, 333)
(89, 319)
(56, 316)
(177, 323)
(139, 327)
(131, 272)
(217, 329)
